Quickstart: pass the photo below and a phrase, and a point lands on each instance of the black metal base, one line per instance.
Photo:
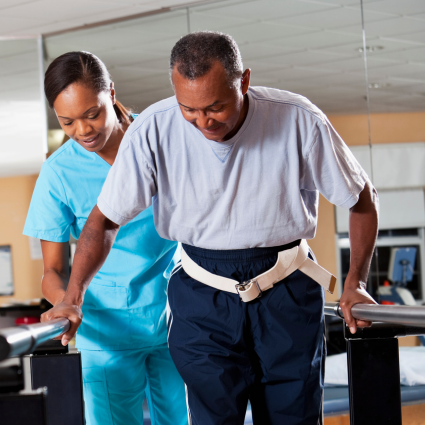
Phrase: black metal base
(374, 381)
(19, 409)
(61, 374)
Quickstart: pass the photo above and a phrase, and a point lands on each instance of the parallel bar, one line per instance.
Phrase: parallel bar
(24, 339)
(333, 309)
(384, 330)
(397, 314)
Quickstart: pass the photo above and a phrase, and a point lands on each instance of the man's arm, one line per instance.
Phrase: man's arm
(93, 247)
(363, 227)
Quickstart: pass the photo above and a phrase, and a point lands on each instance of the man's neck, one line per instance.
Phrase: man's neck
(241, 120)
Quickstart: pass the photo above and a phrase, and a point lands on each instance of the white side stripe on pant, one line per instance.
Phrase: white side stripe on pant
(169, 318)
(189, 415)
(176, 268)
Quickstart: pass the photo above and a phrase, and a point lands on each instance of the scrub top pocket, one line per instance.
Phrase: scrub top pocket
(107, 295)
(106, 316)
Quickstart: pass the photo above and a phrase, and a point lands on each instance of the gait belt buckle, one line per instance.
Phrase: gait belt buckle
(249, 290)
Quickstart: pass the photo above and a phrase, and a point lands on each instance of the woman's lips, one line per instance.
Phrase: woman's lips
(91, 141)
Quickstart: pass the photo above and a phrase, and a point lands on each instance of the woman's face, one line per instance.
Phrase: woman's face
(86, 116)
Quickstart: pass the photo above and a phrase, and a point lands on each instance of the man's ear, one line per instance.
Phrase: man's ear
(246, 77)
(112, 94)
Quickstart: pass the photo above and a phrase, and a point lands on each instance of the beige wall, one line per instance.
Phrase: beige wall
(385, 128)
(323, 244)
(15, 197)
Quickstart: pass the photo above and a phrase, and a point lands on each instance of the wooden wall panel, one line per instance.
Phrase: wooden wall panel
(15, 197)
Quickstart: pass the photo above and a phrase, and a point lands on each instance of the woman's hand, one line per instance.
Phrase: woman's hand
(354, 293)
(70, 311)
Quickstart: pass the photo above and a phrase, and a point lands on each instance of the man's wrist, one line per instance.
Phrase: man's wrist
(73, 297)
(355, 281)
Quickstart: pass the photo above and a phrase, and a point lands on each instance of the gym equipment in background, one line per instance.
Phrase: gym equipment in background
(400, 273)
(374, 394)
(42, 388)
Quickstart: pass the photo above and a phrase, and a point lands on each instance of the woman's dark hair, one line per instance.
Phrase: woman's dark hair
(84, 68)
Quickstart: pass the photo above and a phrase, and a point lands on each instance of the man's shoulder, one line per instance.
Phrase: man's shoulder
(161, 112)
(284, 99)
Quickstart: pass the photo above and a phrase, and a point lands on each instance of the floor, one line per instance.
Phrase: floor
(411, 415)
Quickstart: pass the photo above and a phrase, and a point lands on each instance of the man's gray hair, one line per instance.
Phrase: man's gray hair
(195, 53)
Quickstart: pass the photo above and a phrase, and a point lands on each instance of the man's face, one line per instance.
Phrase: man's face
(211, 103)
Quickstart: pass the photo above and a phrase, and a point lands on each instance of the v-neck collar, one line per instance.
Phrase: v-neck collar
(91, 154)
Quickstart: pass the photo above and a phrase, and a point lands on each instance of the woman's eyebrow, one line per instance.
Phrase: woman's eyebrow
(84, 113)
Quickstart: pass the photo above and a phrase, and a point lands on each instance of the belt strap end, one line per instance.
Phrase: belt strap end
(319, 274)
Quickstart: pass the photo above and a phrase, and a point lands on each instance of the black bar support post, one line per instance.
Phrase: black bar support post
(373, 377)
(52, 366)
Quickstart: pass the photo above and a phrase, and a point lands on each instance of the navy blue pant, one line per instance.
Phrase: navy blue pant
(269, 351)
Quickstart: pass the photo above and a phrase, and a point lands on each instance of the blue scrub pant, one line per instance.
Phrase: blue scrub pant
(116, 383)
(270, 351)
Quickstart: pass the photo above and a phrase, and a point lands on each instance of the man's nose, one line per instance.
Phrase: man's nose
(203, 121)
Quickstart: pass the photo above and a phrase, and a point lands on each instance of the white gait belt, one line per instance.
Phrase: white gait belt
(288, 261)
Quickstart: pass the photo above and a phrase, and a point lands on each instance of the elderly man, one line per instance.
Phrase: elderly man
(234, 173)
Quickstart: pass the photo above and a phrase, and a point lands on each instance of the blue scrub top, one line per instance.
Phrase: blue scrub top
(124, 306)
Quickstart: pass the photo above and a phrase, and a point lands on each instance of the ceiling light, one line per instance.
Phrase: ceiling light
(378, 85)
(370, 49)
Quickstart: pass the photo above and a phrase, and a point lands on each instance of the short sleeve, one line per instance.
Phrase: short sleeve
(49, 217)
(335, 172)
(131, 181)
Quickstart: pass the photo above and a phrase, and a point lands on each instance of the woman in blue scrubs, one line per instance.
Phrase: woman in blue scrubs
(122, 338)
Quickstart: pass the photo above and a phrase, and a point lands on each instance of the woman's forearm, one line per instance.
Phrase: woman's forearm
(53, 286)
(56, 270)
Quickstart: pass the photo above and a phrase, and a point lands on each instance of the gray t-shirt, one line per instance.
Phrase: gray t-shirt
(258, 189)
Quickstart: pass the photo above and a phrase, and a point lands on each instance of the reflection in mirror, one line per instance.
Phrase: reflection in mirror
(22, 112)
(394, 50)
(292, 45)
(298, 46)
(136, 53)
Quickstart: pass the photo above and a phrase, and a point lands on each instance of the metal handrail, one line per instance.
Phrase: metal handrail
(24, 339)
(397, 314)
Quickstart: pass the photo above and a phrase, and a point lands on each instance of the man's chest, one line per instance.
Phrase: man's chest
(248, 169)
